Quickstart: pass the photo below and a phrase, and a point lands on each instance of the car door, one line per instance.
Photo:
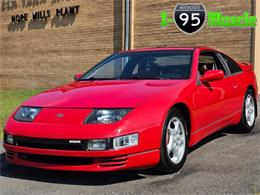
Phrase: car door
(213, 100)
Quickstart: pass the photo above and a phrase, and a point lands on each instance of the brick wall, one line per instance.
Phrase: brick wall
(49, 56)
(147, 31)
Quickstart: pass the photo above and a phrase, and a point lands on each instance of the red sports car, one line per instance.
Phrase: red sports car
(134, 110)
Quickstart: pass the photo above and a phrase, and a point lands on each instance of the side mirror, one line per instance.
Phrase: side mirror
(212, 75)
(77, 76)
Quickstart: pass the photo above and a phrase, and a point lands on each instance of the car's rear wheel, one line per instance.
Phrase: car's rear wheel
(248, 117)
(174, 143)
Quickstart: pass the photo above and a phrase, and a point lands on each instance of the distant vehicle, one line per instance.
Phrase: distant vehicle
(134, 110)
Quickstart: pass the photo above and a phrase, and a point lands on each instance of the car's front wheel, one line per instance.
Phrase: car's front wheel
(174, 143)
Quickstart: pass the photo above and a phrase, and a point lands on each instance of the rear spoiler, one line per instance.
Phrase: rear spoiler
(246, 67)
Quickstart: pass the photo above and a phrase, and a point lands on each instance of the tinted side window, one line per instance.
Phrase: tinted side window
(234, 68)
(209, 61)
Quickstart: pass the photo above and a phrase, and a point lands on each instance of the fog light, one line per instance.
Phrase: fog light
(100, 144)
(125, 141)
(9, 139)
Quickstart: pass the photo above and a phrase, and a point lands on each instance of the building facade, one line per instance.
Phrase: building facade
(43, 43)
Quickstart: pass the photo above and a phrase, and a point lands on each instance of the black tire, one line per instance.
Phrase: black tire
(166, 166)
(244, 126)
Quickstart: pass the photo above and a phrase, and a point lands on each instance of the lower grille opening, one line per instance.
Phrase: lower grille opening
(60, 160)
(111, 162)
(55, 144)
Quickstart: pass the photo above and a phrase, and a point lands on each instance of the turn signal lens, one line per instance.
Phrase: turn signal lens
(9, 139)
(125, 141)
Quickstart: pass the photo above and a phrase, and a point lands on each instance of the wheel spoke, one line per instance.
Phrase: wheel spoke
(171, 131)
(176, 124)
(169, 148)
(248, 101)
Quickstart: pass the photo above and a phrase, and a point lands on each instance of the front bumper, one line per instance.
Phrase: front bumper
(46, 147)
(89, 161)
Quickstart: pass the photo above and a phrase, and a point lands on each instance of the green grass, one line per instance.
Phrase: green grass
(9, 100)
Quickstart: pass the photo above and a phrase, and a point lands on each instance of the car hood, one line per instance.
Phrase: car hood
(100, 94)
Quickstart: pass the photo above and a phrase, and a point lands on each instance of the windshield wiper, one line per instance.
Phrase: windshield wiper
(95, 79)
(152, 78)
(146, 78)
(135, 77)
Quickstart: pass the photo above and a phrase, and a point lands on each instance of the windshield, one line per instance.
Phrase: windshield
(174, 64)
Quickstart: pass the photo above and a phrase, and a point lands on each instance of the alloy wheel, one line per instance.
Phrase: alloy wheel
(175, 140)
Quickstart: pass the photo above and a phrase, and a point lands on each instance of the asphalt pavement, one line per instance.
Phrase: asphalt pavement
(224, 163)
